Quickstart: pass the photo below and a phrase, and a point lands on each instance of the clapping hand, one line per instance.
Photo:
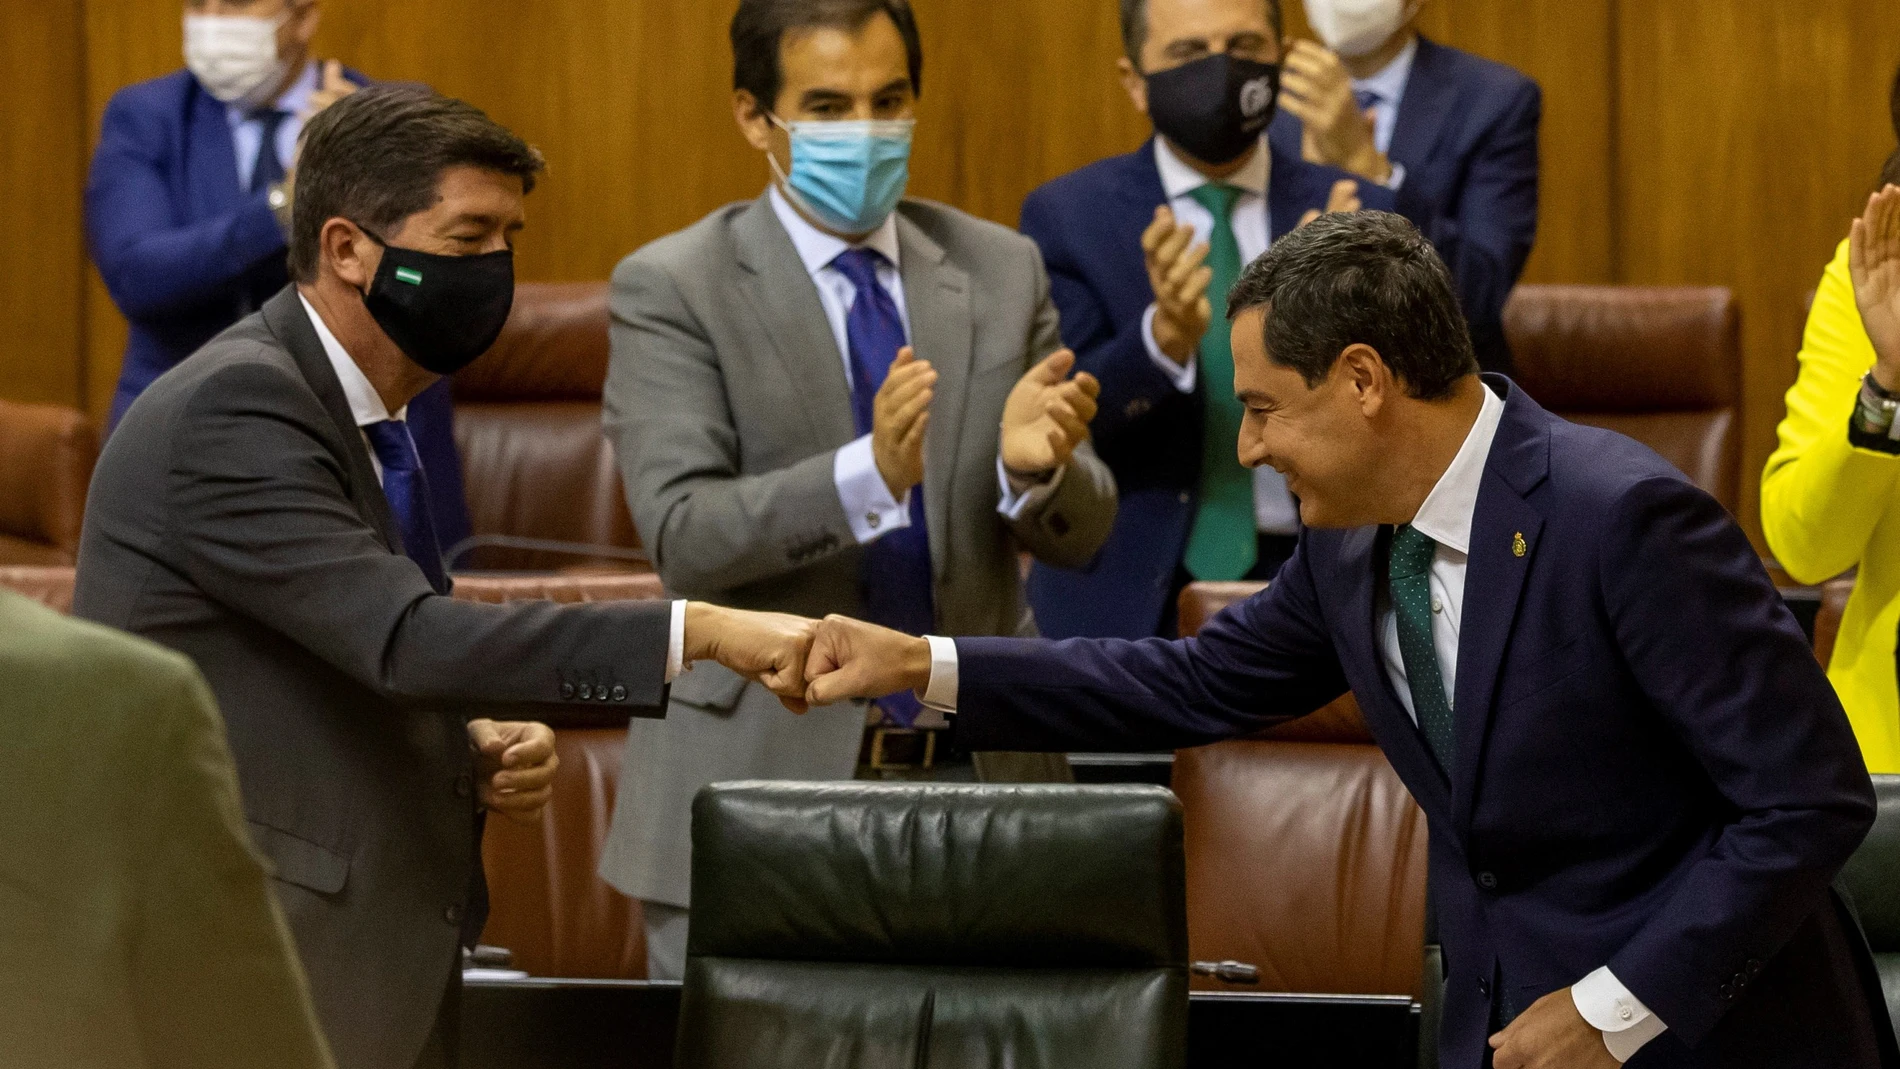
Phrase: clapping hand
(853, 659)
(1316, 89)
(515, 762)
(1179, 279)
(1873, 260)
(1047, 415)
(1343, 197)
(900, 415)
(767, 647)
(333, 88)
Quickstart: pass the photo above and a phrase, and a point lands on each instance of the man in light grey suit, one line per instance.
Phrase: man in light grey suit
(832, 400)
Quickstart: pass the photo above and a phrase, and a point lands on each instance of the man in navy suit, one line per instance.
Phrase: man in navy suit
(1138, 248)
(190, 193)
(1638, 782)
(1453, 136)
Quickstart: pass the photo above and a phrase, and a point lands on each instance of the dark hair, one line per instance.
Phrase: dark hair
(759, 27)
(1135, 26)
(1360, 277)
(376, 157)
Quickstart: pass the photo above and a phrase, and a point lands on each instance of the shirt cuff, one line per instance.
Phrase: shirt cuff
(1610, 1008)
(676, 643)
(1021, 495)
(1397, 177)
(868, 504)
(1182, 377)
(941, 694)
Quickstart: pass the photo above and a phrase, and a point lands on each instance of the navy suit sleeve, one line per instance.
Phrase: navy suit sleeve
(1117, 356)
(1719, 656)
(151, 261)
(1259, 662)
(1486, 236)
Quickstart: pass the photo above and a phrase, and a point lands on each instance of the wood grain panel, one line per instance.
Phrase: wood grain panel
(1749, 135)
(42, 150)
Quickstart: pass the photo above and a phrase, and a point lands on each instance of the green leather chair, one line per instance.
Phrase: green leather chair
(1872, 881)
(900, 925)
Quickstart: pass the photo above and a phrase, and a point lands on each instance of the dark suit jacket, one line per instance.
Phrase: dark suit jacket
(185, 253)
(1467, 136)
(1088, 224)
(235, 517)
(1652, 772)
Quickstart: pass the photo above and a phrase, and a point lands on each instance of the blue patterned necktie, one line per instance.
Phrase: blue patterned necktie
(896, 577)
(267, 168)
(1367, 99)
(1410, 577)
(407, 489)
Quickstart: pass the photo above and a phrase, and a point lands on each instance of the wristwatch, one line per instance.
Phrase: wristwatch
(1876, 410)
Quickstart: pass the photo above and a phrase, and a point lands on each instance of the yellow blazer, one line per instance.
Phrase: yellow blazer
(1827, 507)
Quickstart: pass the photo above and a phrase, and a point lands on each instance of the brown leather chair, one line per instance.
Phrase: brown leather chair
(1660, 364)
(50, 585)
(527, 423)
(1305, 854)
(548, 904)
(46, 459)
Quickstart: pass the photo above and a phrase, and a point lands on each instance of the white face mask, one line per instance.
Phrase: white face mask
(1357, 27)
(235, 56)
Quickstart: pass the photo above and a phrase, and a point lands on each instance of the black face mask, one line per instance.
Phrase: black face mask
(1214, 108)
(441, 311)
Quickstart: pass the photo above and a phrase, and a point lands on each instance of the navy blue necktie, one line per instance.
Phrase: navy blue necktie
(407, 488)
(268, 168)
(1367, 99)
(896, 577)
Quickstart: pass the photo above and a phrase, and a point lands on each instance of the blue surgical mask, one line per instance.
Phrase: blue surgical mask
(849, 175)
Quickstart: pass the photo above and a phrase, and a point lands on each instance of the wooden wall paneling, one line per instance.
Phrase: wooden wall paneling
(42, 153)
(1749, 134)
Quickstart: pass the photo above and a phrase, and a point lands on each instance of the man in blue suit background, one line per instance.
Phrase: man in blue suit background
(1453, 136)
(1638, 782)
(1138, 247)
(190, 191)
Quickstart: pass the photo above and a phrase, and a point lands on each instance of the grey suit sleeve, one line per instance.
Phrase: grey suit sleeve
(261, 519)
(1070, 526)
(708, 525)
(216, 983)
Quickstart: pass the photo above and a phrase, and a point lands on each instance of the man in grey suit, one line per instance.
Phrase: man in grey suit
(137, 923)
(262, 509)
(833, 399)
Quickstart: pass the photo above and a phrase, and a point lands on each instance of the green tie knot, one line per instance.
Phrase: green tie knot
(1218, 199)
(1412, 552)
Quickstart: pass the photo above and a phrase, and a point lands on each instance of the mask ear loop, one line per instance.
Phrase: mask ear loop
(784, 179)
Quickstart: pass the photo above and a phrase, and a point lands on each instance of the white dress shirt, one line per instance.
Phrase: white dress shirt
(247, 130)
(1388, 84)
(868, 504)
(1445, 517)
(366, 407)
(1273, 509)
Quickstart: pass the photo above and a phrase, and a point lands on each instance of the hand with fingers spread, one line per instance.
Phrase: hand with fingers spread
(853, 659)
(1316, 89)
(1551, 1035)
(1180, 279)
(767, 647)
(1873, 261)
(899, 417)
(1343, 197)
(515, 765)
(1046, 416)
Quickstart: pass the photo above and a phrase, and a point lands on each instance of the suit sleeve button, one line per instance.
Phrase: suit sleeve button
(464, 785)
(620, 693)
(453, 915)
(587, 692)
(567, 691)
(1488, 881)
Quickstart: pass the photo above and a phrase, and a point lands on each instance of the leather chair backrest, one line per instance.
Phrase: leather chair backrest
(46, 458)
(1872, 882)
(527, 423)
(1662, 365)
(547, 902)
(897, 924)
(50, 585)
(1306, 855)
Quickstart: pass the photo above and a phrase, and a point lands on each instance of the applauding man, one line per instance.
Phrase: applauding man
(833, 399)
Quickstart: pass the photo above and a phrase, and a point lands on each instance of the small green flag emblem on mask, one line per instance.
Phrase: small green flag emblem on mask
(409, 275)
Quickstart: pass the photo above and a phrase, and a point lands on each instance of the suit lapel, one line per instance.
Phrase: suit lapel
(285, 317)
(1505, 532)
(212, 160)
(1426, 106)
(937, 300)
(784, 297)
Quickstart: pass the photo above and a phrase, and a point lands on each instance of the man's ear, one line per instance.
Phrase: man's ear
(348, 252)
(1134, 83)
(1367, 375)
(752, 119)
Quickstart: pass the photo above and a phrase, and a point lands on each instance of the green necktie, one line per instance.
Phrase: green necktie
(1221, 545)
(1410, 576)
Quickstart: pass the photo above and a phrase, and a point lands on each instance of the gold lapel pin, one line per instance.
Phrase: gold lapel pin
(1518, 548)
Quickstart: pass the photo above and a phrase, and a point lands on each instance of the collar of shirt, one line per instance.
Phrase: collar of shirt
(816, 249)
(1446, 515)
(366, 405)
(291, 102)
(1178, 179)
(1390, 80)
